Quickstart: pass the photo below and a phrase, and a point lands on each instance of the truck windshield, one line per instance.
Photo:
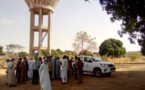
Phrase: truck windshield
(96, 59)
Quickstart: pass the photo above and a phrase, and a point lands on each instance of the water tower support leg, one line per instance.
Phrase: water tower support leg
(40, 32)
(49, 32)
(31, 34)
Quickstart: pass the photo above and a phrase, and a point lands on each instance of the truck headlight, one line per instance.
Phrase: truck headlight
(104, 65)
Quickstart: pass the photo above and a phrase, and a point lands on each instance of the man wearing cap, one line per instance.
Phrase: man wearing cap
(44, 76)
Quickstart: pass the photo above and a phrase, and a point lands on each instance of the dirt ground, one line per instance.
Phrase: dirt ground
(126, 77)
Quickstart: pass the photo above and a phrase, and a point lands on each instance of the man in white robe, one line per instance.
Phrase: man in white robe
(44, 76)
(64, 70)
(30, 65)
(11, 74)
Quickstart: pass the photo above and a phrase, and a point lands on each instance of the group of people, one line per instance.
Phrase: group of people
(21, 71)
(44, 70)
(10, 72)
(70, 66)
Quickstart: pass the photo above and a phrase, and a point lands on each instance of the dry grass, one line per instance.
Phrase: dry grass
(2, 63)
(130, 67)
(126, 60)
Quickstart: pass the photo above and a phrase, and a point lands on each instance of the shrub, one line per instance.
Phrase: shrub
(3, 53)
(134, 56)
(104, 57)
(22, 54)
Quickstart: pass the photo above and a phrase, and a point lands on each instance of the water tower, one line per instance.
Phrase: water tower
(40, 8)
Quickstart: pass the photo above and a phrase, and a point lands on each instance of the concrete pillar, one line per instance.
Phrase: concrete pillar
(49, 32)
(31, 34)
(40, 32)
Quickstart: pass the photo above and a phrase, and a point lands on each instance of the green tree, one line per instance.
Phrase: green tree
(131, 12)
(10, 48)
(22, 54)
(86, 53)
(1, 50)
(14, 48)
(134, 56)
(112, 47)
(44, 53)
(54, 52)
(74, 53)
(59, 51)
(70, 53)
(96, 54)
(67, 52)
(19, 47)
(83, 41)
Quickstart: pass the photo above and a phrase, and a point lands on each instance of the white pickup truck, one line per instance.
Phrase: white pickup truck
(97, 66)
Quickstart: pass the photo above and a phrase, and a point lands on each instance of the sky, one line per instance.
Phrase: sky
(69, 17)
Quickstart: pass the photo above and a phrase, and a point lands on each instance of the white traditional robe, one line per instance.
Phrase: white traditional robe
(30, 71)
(11, 75)
(64, 70)
(44, 77)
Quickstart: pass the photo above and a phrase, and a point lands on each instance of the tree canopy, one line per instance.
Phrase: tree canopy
(83, 41)
(59, 52)
(86, 53)
(55, 52)
(131, 12)
(112, 47)
(14, 48)
(1, 50)
(22, 54)
(70, 53)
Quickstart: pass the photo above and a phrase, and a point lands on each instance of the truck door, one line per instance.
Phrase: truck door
(88, 65)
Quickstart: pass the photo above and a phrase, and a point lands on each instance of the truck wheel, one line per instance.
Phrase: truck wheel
(98, 72)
